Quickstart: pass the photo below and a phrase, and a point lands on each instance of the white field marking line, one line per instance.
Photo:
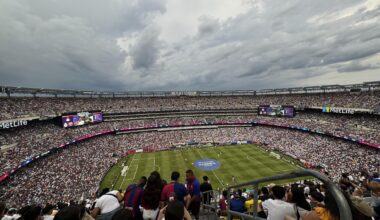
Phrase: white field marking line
(137, 168)
(126, 173)
(211, 170)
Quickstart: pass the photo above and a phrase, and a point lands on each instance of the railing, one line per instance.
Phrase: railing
(344, 208)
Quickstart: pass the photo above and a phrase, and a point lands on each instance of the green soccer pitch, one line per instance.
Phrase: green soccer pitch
(245, 162)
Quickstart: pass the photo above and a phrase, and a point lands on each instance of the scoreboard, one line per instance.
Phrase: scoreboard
(277, 110)
(81, 118)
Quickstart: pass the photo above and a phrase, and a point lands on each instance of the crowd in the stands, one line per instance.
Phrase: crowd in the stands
(76, 171)
(19, 107)
(21, 143)
(183, 198)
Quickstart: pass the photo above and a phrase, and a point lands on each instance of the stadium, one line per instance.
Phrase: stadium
(189, 110)
(67, 145)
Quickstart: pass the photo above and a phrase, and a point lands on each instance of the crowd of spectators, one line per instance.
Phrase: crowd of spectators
(156, 198)
(21, 107)
(24, 142)
(76, 171)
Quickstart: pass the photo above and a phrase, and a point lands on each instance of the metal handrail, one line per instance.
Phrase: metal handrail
(344, 208)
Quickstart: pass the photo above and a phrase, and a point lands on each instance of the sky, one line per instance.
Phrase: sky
(148, 45)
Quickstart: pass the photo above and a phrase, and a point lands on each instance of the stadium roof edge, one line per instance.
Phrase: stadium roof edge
(71, 92)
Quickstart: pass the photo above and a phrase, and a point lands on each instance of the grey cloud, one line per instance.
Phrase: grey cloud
(146, 49)
(281, 45)
(207, 25)
(356, 66)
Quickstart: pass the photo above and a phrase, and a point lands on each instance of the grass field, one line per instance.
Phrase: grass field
(245, 162)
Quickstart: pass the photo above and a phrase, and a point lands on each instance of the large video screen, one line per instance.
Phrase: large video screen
(277, 110)
(81, 118)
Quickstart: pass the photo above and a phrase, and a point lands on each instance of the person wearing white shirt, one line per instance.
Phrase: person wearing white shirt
(107, 204)
(277, 208)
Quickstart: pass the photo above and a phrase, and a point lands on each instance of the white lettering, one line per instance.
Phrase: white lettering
(13, 124)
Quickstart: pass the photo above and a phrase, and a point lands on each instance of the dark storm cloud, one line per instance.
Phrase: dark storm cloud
(71, 44)
(53, 44)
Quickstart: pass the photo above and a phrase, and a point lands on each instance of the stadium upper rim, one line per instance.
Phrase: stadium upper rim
(9, 91)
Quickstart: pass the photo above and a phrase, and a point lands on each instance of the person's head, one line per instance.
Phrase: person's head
(175, 176)
(123, 214)
(316, 196)
(31, 212)
(104, 191)
(70, 213)
(265, 190)
(48, 209)
(189, 174)
(142, 181)
(152, 183)
(156, 173)
(225, 193)
(174, 211)
(278, 192)
(205, 178)
(2, 209)
(296, 195)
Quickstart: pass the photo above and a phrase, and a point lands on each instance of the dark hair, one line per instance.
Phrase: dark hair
(205, 178)
(123, 214)
(278, 192)
(104, 191)
(265, 190)
(2, 207)
(30, 212)
(190, 172)
(47, 209)
(143, 180)
(70, 213)
(225, 193)
(174, 211)
(330, 204)
(299, 198)
(158, 179)
(175, 176)
(317, 195)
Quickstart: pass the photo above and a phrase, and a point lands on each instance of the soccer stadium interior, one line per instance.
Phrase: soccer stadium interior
(316, 149)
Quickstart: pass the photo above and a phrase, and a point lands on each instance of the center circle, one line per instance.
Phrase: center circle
(207, 164)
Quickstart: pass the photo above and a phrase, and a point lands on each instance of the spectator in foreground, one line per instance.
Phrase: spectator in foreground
(150, 200)
(48, 211)
(223, 203)
(2, 209)
(277, 208)
(297, 197)
(193, 188)
(132, 197)
(31, 212)
(206, 186)
(237, 202)
(174, 191)
(123, 214)
(329, 212)
(107, 205)
(73, 212)
(175, 210)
